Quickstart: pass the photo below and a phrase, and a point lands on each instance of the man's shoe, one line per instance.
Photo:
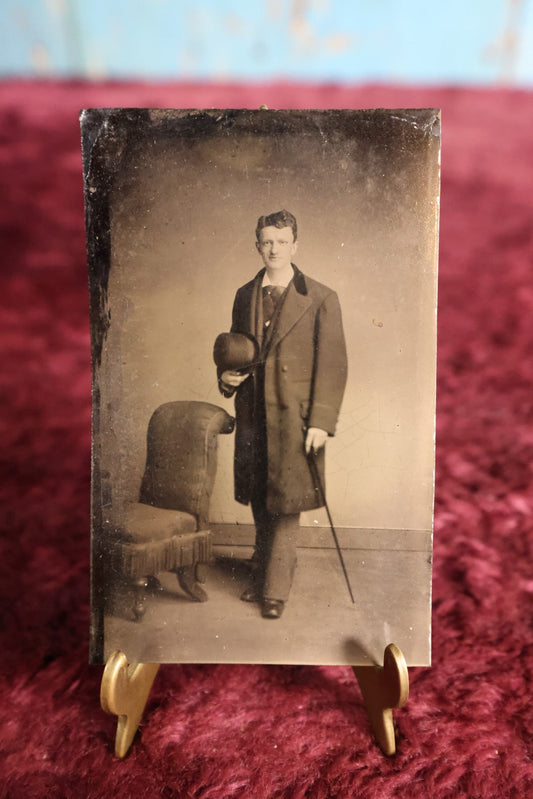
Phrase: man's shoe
(272, 608)
(251, 594)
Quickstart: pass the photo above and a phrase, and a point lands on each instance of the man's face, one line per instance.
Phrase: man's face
(276, 246)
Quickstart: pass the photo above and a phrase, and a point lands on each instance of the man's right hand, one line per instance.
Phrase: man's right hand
(233, 378)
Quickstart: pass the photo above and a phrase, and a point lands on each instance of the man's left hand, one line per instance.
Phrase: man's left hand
(315, 439)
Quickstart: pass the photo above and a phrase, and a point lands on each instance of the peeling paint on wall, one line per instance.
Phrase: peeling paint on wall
(505, 48)
(40, 59)
(481, 42)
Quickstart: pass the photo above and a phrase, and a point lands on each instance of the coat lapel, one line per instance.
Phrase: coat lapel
(294, 307)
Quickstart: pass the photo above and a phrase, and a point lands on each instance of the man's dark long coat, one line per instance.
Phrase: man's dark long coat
(305, 368)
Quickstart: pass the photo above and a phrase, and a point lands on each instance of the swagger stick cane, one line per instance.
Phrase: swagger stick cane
(316, 476)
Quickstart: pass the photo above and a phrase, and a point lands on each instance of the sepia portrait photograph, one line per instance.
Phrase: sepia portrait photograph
(263, 322)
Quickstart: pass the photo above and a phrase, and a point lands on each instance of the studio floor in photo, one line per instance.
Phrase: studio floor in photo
(388, 572)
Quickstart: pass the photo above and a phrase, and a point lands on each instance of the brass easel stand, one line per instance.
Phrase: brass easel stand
(384, 689)
(124, 692)
(125, 689)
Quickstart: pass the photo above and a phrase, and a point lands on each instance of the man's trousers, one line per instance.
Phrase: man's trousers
(275, 550)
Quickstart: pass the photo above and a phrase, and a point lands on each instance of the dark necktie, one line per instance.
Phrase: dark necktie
(271, 297)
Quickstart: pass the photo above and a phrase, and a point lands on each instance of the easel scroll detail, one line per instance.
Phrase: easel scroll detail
(124, 692)
(384, 688)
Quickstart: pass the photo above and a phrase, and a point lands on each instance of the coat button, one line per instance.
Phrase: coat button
(284, 368)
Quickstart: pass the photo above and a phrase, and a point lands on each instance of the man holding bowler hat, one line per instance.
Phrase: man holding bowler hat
(287, 401)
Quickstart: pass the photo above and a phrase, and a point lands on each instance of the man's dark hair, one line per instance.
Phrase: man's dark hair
(278, 219)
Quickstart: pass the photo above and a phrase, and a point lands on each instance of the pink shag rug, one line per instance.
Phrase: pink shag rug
(217, 732)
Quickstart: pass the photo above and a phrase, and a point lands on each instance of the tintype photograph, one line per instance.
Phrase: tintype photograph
(263, 324)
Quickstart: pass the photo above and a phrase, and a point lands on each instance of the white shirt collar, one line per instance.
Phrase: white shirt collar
(283, 283)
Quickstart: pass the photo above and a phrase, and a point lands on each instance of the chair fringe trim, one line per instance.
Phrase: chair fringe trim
(136, 560)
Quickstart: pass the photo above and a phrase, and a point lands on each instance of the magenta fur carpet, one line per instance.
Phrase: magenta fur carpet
(212, 732)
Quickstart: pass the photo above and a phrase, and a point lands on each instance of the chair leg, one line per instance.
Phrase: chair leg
(139, 602)
(187, 578)
(201, 572)
(153, 584)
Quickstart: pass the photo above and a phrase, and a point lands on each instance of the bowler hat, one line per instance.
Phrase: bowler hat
(235, 351)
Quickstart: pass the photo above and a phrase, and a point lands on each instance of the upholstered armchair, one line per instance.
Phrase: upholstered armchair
(167, 529)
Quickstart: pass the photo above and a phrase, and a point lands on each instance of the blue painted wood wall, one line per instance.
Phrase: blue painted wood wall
(423, 41)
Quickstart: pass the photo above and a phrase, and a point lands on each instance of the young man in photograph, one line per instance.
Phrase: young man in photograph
(286, 404)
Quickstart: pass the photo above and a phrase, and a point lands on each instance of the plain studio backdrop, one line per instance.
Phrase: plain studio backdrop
(183, 217)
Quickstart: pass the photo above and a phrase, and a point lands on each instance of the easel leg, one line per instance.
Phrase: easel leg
(124, 692)
(125, 689)
(384, 689)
